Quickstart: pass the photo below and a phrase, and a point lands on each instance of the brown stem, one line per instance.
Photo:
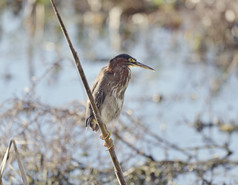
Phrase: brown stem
(102, 126)
(4, 161)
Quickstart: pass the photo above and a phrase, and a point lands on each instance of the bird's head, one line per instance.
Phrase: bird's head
(125, 60)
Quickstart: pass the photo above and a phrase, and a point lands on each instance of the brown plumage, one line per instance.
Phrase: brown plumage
(109, 88)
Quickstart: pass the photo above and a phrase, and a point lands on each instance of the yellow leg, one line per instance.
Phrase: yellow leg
(104, 138)
(110, 144)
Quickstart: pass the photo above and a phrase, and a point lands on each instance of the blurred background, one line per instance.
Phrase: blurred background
(178, 124)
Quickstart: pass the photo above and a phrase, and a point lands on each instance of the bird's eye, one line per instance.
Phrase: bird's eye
(131, 60)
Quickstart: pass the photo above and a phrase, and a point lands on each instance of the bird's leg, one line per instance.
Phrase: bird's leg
(110, 144)
(104, 138)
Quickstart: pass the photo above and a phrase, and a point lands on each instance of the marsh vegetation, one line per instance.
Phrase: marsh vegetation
(178, 125)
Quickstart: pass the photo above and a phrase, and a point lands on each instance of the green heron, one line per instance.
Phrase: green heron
(109, 88)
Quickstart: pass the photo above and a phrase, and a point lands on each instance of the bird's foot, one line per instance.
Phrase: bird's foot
(104, 138)
(109, 145)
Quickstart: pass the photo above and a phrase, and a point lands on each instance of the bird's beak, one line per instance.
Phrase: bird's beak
(143, 65)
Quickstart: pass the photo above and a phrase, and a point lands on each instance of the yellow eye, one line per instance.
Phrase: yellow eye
(131, 60)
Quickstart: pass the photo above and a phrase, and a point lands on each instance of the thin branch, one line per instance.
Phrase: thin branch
(6, 156)
(156, 137)
(102, 126)
(138, 151)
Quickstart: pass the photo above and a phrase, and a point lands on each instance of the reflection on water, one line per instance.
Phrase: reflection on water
(185, 85)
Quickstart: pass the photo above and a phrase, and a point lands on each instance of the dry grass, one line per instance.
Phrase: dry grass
(4, 161)
(56, 149)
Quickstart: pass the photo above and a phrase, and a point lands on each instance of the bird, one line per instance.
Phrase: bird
(109, 88)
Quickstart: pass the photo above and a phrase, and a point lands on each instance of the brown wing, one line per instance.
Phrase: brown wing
(99, 97)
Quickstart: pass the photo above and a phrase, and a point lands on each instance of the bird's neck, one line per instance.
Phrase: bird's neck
(120, 75)
(115, 68)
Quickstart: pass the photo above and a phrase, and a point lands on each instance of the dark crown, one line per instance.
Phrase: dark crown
(125, 56)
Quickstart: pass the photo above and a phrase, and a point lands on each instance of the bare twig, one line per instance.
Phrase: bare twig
(156, 137)
(23, 175)
(102, 126)
(138, 151)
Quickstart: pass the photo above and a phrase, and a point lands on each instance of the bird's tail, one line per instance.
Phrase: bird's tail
(91, 122)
